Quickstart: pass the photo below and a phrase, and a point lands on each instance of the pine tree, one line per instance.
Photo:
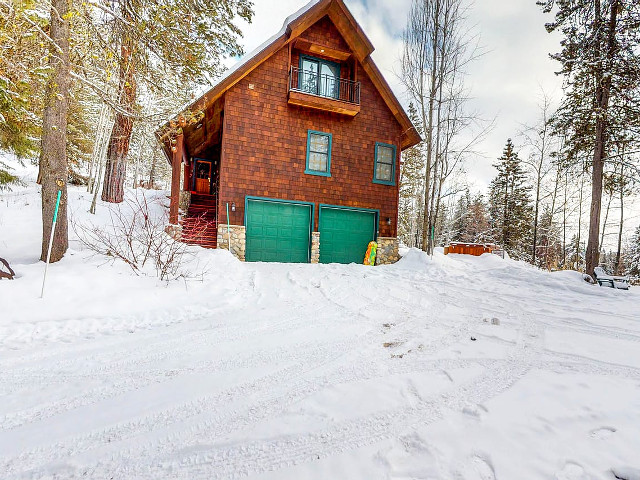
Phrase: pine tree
(53, 156)
(461, 219)
(470, 221)
(24, 71)
(600, 61)
(633, 256)
(574, 254)
(479, 229)
(510, 205)
(411, 189)
(549, 244)
(21, 69)
(156, 43)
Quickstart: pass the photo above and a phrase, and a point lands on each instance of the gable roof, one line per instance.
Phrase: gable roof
(293, 27)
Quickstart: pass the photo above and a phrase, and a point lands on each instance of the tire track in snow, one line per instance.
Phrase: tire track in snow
(238, 419)
(111, 373)
(117, 384)
(309, 359)
(256, 457)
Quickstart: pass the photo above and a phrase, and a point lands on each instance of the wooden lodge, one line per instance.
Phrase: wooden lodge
(300, 144)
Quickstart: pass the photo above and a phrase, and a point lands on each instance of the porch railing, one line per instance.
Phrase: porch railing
(326, 86)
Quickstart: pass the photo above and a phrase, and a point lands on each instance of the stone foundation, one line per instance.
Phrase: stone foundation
(185, 200)
(387, 251)
(238, 239)
(315, 247)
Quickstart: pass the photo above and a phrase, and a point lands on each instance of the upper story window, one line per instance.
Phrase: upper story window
(318, 153)
(384, 170)
(319, 77)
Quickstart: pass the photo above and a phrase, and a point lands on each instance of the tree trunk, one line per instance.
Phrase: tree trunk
(564, 223)
(98, 148)
(92, 208)
(536, 214)
(577, 266)
(606, 219)
(603, 87)
(426, 224)
(53, 157)
(116, 168)
(619, 251)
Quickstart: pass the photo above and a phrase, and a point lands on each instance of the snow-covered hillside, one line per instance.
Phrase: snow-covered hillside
(447, 368)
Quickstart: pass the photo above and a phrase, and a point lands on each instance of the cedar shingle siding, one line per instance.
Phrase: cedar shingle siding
(265, 141)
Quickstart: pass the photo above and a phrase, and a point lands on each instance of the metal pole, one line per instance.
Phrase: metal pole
(433, 237)
(53, 230)
(228, 231)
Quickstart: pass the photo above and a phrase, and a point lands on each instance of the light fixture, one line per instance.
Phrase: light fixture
(233, 207)
(388, 220)
(322, 50)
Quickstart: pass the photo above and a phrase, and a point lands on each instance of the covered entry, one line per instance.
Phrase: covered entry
(277, 230)
(345, 233)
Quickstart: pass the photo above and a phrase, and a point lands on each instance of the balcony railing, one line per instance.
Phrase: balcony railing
(325, 86)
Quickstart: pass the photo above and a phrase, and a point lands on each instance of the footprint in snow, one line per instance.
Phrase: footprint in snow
(603, 432)
(571, 471)
(477, 467)
(474, 410)
(626, 473)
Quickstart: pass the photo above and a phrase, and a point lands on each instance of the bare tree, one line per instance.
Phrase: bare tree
(539, 138)
(599, 58)
(436, 50)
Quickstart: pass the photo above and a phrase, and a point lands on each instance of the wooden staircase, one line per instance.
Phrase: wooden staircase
(200, 226)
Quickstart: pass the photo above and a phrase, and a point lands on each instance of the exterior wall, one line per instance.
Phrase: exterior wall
(324, 33)
(265, 143)
(238, 239)
(315, 247)
(185, 200)
(387, 251)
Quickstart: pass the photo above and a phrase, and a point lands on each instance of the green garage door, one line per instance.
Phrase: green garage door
(277, 231)
(345, 234)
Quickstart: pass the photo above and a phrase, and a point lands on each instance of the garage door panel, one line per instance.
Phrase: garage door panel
(345, 234)
(277, 231)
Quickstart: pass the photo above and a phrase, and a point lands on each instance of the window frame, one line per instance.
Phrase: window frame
(320, 173)
(393, 164)
(319, 61)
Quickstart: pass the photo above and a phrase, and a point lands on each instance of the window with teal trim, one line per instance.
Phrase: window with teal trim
(319, 77)
(385, 164)
(318, 153)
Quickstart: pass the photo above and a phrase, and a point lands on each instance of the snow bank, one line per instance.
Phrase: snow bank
(436, 367)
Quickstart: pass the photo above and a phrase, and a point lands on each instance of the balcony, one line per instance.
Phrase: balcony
(324, 92)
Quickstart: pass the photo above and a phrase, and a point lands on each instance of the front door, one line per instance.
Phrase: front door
(203, 176)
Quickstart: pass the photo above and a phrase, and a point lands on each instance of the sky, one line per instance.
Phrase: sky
(505, 82)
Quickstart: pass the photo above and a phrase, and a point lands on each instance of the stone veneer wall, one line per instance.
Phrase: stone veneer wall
(185, 200)
(387, 246)
(387, 251)
(238, 239)
(315, 247)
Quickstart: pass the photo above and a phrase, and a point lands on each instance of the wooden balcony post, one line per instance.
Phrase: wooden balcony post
(177, 154)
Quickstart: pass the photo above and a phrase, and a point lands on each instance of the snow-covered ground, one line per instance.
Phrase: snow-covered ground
(447, 368)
